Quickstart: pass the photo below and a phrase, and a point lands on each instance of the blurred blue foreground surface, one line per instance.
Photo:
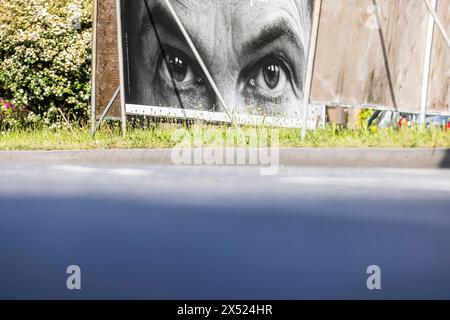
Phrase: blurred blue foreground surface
(223, 232)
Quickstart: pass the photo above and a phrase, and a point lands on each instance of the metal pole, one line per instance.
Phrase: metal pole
(309, 70)
(121, 68)
(198, 57)
(426, 66)
(105, 112)
(94, 66)
(437, 20)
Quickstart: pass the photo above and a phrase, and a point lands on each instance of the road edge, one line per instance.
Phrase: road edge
(321, 157)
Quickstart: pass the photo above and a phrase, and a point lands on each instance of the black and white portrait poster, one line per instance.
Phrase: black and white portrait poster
(254, 50)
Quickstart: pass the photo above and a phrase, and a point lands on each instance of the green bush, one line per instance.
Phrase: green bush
(45, 58)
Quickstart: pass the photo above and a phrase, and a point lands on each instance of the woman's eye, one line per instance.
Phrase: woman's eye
(271, 77)
(178, 67)
(271, 74)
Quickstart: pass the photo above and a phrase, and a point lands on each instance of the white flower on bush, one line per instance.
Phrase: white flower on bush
(44, 63)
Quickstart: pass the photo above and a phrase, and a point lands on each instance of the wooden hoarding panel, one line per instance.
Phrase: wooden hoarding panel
(439, 87)
(106, 67)
(371, 53)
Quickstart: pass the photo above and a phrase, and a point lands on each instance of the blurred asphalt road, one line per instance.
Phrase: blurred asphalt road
(223, 232)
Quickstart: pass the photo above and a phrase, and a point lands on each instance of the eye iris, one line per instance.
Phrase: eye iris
(271, 75)
(177, 68)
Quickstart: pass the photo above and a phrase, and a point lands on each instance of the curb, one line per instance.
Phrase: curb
(341, 157)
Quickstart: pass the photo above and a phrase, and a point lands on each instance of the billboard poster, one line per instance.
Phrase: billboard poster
(255, 52)
(376, 54)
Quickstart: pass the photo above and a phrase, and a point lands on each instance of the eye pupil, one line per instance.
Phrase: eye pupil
(177, 67)
(272, 75)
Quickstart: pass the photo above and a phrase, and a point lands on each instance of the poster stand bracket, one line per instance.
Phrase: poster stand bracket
(438, 21)
(427, 61)
(309, 71)
(97, 124)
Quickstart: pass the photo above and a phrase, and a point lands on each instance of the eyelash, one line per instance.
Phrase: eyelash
(188, 89)
(266, 96)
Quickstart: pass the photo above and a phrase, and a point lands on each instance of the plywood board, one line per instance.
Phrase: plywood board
(439, 87)
(106, 65)
(370, 53)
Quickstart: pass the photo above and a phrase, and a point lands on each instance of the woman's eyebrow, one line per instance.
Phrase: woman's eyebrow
(270, 33)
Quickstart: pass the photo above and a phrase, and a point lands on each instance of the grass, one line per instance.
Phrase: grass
(169, 135)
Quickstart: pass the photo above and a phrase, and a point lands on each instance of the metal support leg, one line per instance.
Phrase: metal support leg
(309, 70)
(105, 112)
(427, 64)
(438, 22)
